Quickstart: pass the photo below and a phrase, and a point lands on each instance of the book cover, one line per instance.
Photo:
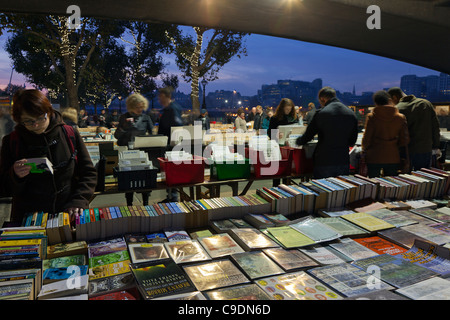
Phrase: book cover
(56, 274)
(431, 234)
(380, 245)
(289, 237)
(290, 260)
(315, 230)
(109, 258)
(108, 270)
(144, 252)
(177, 235)
(431, 289)
(256, 264)
(220, 245)
(215, 274)
(66, 249)
(118, 282)
(432, 214)
(296, 286)
(200, 234)
(251, 239)
(352, 249)
(367, 222)
(161, 278)
(322, 255)
(106, 247)
(342, 226)
(348, 280)
(277, 219)
(400, 237)
(240, 223)
(242, 292)
(395, 271)
(444, 227)
(258, 221)
(135, 238)
(186, 251)
(220, 226)
(156, 238)
(392, 217)
(64, 262)
(64, 288)
(378, 295)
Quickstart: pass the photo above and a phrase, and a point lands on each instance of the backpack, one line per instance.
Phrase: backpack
(69, 133)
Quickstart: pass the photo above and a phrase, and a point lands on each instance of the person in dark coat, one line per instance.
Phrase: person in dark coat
(257, 124)
(337, 129)
(131, 124)
(204, 119)
(40, 133)
(284, 115)
(112, 119)
(83, 119)
(310, 114)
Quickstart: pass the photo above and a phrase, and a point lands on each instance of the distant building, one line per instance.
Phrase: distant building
(434, 88)
(300, 92)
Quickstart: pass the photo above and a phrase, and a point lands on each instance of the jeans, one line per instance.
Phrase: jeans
(389, 169)
(420, 160)
(321, 172)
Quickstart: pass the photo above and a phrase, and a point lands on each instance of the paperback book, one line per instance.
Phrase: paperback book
(367, 222)
(64, 288)
(64, 262)
(342, 226)
(177, 235)
(145, 252)
(57, 274)
(393, 217)
(256, 264)
(186, 251)
(352, 249)
(67, 249)
(290, 260)
(106, 247)
(431, 289)
(116, 283)
(251, 239)
(400, 237)
(315, 230)
(156, 238)
(322, 255)
(380, 245)
(431, 234)
(289, 237)
(109, 258)
(241, 292)
(220, 245)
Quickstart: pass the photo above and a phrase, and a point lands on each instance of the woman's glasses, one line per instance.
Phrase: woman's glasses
(29, 123)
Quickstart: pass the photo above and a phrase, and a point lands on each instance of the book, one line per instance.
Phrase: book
(256, 264)
(200, 234)
(315, 230)
(289, 237)
(241, 292)
(160, 278)
(342, 226)
(135, 238)
(57, 274)
(436, 215)
(109, 270)
(220, 245)
(393, 217)
(417, 204)
(428, 233)
(221, 226)
(348, 280)
(322, 255)
(186, 251)
(240, 223)
(378, 295)
(352, 249)
(251, 239)
(39, 165)
(334, 212)
(144, 252)
(290, 260)
(111, 284)
(66, 249)
(444, 227)
(400, 237)
(367, 222)
(196, 295)
(120, 295)
(64, 262)
(177, 235)
(277, 219)
(394, 271)
(430, 256)
(105, 247)
(62, 288)
(215, 274)
(156, 238)
(380, 245)
(258, 221)
(296, 286)
(20, 289)
(431, 289)
(109, 258)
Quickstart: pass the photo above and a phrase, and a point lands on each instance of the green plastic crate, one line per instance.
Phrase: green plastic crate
(225, 170)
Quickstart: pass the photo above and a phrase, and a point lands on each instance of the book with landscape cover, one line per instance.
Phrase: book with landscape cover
(115, 283)
(64, 262)
(251, 239)
(347, 279)
(315, 230)
(186, 251)
(393, 217)
(430, 256)
(156, 238)
(342, 226)
(220, 245)
(215, 274)
(178, 235)
(431, 234)
(367, 222)
(135, 238)
(431, 289)
(296, 286)
(289, 237)
(241, 292)
(57, 274)
(290, 260)
(352, 249)
(322, 255)
(196, 295)
(160, 278)
(144, 252)
(67, 249)
(378, 295)
(380, 245)
(109, 258)
(256, 264)
(106, 247)
(395, 271)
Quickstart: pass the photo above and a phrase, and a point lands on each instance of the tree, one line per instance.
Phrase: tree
(196, 62)
(53, 56)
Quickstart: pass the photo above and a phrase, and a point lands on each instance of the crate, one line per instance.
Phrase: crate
(135, 179)
(235, 170)
(301, 164)
(187, 172)
(263, 169)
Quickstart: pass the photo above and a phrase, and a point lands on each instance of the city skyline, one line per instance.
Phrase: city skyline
(270, 59)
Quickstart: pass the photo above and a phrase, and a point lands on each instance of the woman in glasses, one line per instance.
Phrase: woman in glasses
(41, 133)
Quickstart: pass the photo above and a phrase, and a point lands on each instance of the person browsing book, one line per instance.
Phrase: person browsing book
(41, 133)
(131, 124)
(284, 115)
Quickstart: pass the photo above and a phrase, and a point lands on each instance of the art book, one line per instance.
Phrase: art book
(144, 252)
(430, 256)
(380, 245)
(242, 292)
(348, 280)
(290, 260)
(342, 226)
(220, 245)
(256, 264)
(251, 239)
(352, 249)
(395, 271)
(296, 286)
(186, 251)
(289, 237)
(315, 230)
(215, 274)
(177, 235)
(64, 262)
(392, 217)
(161, 278)
(118, 282)
(322, 255)
(67, 249)
(431, 289)
(367, 222)
(106, 247)
(109, 258)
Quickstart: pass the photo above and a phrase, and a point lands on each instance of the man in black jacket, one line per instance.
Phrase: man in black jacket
(337, 129)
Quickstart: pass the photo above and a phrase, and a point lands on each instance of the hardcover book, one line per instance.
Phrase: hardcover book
(380, 245)
(242, 292)
(144, 252)
(186, 251)
(290, 260)
(161, 278)
(256, 264)
(296, 286)
(220, 245)
(395, 271)
(251, 239)
(215, 274)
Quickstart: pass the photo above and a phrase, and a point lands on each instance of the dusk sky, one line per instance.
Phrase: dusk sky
(270, 59)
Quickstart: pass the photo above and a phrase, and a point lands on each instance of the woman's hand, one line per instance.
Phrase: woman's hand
(20, 169)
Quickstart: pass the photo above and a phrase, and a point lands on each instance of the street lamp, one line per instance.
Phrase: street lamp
(120, 104)
(204, 82)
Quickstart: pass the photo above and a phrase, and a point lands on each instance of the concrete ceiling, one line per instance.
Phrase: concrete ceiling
(413, 31)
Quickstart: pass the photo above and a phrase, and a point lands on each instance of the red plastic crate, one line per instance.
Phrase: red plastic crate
(183, 173)
(261, 168)
(300, 164)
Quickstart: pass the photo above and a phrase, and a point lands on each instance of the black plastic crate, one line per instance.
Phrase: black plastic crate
(136, 179)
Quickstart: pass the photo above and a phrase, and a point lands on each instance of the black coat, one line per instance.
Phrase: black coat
(275, 123)
(170, 117)
(258, 121)
(337, 128)
(126, 130)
